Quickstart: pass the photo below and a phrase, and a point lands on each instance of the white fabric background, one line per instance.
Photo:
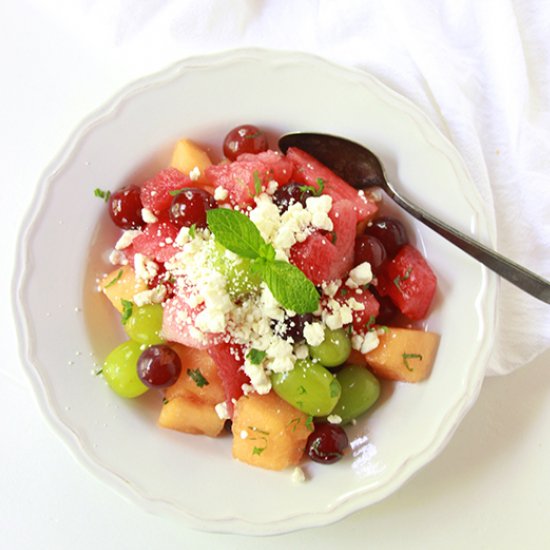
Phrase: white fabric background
(480, 70)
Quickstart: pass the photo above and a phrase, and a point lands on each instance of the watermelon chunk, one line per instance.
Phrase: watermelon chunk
(409, 281)
(229, 359)
(363, 319)
(308, 170)
(156, 241)
(155, 192)
(249, 175)
(325, 257)
(178, 324)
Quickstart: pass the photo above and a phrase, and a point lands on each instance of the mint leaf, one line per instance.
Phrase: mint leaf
(197, 377)
(256, 356)
(235, 231)
(105, 195)
(290, 287)
(127, 310)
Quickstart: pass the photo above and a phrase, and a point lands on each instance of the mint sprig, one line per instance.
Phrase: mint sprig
(290, 287)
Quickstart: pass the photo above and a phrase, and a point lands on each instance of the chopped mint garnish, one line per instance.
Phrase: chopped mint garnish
(193, 231)
(309, 423)
(197, 377)
(397, 281)
(127, 310)
(407, 356)
(165, 401)
(176, 192)
(290, 287)
(258, 450)
(105, 195)
(370, 322)
(115, 279)
(334, 388)
(256, 356)
(257, 183)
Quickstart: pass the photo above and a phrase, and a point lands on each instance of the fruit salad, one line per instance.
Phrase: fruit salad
(263, 296)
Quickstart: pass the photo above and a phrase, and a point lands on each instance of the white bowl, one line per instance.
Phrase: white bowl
(66, 328)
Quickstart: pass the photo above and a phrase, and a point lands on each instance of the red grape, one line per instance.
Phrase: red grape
(125, 207)
(291, 193)
(159, 366)
(369, 249)
(390, 232)
(327, 443)
(189, 207)
(244, 139)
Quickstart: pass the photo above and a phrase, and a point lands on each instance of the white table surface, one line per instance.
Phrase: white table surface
(490, 488)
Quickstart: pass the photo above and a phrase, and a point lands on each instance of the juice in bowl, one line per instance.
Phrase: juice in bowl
(262, 299)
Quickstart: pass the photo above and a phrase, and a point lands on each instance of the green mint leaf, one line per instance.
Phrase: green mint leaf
(114, 280)
(290, 287)
(105, 195)
(127, 310)
(407, 356)
(256, 356)
(258, 450)
(397, 281)
(235, 231)
(197, 377)
(370, 322)
(176, 192)
(267, 252)
(193, 231)
(257, 183)
(309, 423)
(320, 186)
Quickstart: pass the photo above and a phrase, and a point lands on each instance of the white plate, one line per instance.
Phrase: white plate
(66, 329)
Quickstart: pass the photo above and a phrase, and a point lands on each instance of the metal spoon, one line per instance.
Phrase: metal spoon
(361, 168)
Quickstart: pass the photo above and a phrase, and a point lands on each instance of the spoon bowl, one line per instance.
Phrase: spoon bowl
(362, 169)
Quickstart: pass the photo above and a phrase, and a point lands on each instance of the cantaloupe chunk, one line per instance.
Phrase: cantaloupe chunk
(199, 376)
(121, 284)
(189, 404)
(268, 432)
(187, 156)
(190, 415)
(404, 354)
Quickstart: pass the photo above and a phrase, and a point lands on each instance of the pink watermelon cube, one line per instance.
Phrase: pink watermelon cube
(308, 170)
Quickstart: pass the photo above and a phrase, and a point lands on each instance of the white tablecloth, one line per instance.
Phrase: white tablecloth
(490, 488)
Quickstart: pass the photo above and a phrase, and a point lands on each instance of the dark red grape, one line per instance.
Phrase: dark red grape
(293, 327)
(244, 139)
(327, 443)
(369, 249)
(291, 193)
(125, 207)
(189, 207)
(390, 232)
(159, 366)
(388, 310)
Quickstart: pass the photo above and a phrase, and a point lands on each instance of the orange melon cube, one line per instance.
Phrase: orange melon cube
(404, 354)
(268, 432)
(188, 156)
(121, 284)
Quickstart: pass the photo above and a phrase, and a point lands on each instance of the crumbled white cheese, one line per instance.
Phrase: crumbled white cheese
(334, 419)
(221, 193)
(319, 207)
(153, 296)
(298, 475)
(359, 275)
(272, 186)
(118, 258)
(145, 268)
(126, 239)
(301, 351)
(314, 333)
(195, 174)
(331, 288)
(221, 410)
(148, 216)
(244, 434)
(258, 377)
(365, 343)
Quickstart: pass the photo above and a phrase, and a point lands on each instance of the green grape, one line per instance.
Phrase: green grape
(334, 349)
(309, 387)
(144, 324)
(120, 370)
(360, 391)
(240, 279)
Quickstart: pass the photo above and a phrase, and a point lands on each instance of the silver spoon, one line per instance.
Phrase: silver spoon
(361, 169)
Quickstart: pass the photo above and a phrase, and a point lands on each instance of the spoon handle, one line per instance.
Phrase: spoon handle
(528, 281)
